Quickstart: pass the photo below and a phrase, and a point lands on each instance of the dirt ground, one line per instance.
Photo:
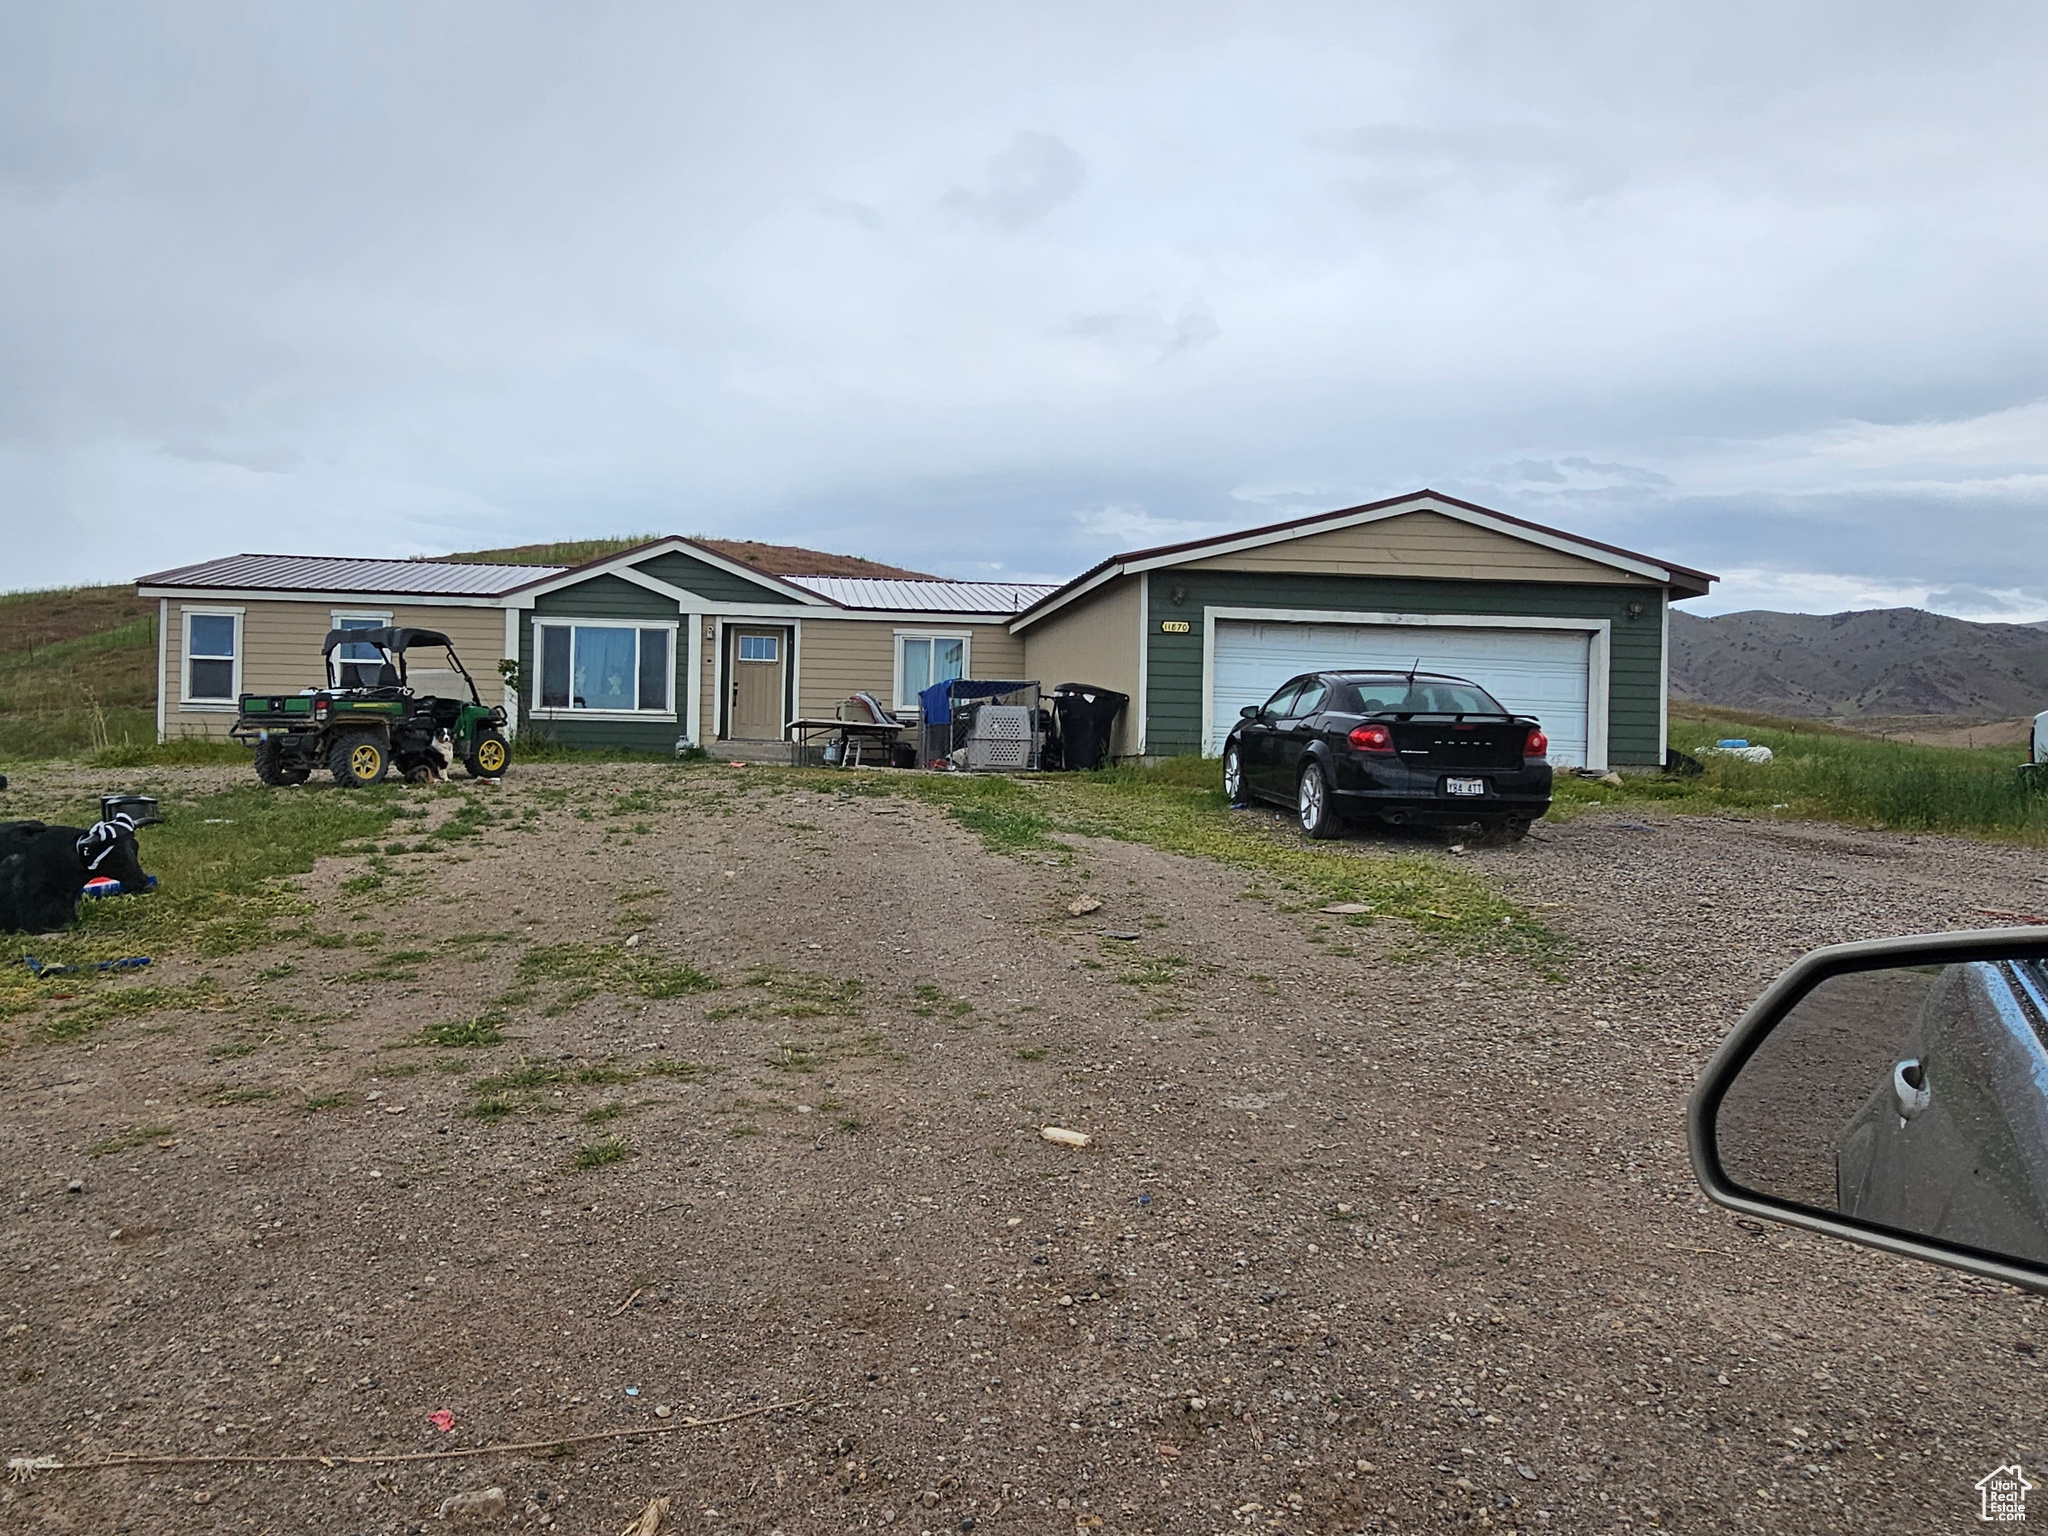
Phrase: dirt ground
(1362, 1242)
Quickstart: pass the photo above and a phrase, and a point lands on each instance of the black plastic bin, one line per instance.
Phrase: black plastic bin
(1085, 714)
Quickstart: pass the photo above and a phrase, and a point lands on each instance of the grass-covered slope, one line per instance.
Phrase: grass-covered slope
(77, 671)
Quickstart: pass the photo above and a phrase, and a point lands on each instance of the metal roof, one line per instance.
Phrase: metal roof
(334, 573)
(1000, 597)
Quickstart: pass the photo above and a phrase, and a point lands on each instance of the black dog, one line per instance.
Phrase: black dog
(43, 870)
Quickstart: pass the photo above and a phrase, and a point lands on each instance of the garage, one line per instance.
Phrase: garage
(1554, 624)
(1552, 669)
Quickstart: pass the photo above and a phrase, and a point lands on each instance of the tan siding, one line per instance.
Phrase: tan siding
(1093, 639)
(281, 652)
(1417, 544)
(844, 656)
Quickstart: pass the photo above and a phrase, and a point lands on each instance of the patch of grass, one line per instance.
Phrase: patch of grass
(602, 1113)
(934, 1002)
(525, 1085)
(128, 1141)
(1031, 1053)
(315, 1102)
(1153, 971)
(599, 1154)
(82, 1018)
(1822, 772)
(794, 995)
(225, 864)
(397, 965)
(614, 968)
(463, 1034)
(848, 1125)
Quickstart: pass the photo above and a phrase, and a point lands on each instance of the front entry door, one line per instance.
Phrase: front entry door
(758, 670)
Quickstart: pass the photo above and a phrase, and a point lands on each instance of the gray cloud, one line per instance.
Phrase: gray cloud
(1025, 182)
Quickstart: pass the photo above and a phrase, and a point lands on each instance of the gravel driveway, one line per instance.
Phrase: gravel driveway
(1362, 1242)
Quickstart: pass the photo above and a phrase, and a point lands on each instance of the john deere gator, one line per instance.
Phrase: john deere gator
(360, 730)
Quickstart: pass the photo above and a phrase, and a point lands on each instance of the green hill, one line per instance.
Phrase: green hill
(77, 671)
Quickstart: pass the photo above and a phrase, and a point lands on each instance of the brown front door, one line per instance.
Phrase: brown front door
(758, 668)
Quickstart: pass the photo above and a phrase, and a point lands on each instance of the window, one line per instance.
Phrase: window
(357, 664)
(760, 648)
(1276, 707)
(1313, 693)
(922, 660)
(212, 647)
(608, 667)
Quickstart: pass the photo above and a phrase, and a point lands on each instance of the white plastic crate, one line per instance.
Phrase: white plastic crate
(1002, 736)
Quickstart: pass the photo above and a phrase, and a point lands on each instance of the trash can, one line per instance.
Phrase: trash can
(1085, 714)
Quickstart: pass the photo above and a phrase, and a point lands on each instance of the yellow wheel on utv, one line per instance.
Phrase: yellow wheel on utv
(359, 758)
(489, 756)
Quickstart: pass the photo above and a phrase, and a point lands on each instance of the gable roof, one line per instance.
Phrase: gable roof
(1683, 580)
(346, 576)
(621, 563)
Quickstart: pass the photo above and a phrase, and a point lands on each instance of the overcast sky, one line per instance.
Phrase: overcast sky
(995, 291)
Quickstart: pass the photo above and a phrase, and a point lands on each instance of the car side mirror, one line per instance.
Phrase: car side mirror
(1252, 712)
(1895, 1094)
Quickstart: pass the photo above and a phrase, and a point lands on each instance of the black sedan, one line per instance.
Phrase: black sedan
(1401, 747)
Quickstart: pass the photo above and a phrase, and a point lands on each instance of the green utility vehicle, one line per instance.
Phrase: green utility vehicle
(366, 721)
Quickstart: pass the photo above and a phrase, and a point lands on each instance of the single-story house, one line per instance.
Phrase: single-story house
(680, 639)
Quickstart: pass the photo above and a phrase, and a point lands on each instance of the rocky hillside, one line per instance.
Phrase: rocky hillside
(1879, 662)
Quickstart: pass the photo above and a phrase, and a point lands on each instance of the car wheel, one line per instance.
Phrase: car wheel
(358, 759)
(488, 757)
(1312, 804)
(1233, 776)
(270, 767)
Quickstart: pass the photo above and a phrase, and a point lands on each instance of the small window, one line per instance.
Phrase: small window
(1313, 692)
(554, 666)
(654, 669)
(210, 657)
(1277, 705)
(929, 659)
(359, 664)
(760, 647)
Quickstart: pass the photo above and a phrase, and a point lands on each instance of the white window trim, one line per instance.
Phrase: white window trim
(1598, 634)
(965, 638)
(536, 711)
(228, 705)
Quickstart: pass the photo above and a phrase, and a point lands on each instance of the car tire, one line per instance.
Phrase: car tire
(1233, 775)
(359, 759)
(489, 756)
(270, 767)
(1312, 804)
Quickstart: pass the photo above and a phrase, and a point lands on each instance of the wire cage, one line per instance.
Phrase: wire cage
(980, 727)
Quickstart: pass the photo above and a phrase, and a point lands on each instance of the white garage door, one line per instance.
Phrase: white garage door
(1540, 672)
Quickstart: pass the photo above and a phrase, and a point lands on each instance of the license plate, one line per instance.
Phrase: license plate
(1464, 786)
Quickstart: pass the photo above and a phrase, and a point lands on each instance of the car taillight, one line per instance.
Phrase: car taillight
(320, 709)
(1371, 738)
(1538, 744)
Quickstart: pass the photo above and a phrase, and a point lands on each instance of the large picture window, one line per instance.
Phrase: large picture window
(613, 668)
(212, 657)
(922, 660)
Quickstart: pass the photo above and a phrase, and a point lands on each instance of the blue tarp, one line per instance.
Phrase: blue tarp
(938, 700)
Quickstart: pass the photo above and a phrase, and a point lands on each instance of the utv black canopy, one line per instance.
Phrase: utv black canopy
(395, 640)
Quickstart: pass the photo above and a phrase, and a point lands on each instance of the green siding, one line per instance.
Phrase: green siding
(707, 580)
(605, 597)
(1173, 684)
